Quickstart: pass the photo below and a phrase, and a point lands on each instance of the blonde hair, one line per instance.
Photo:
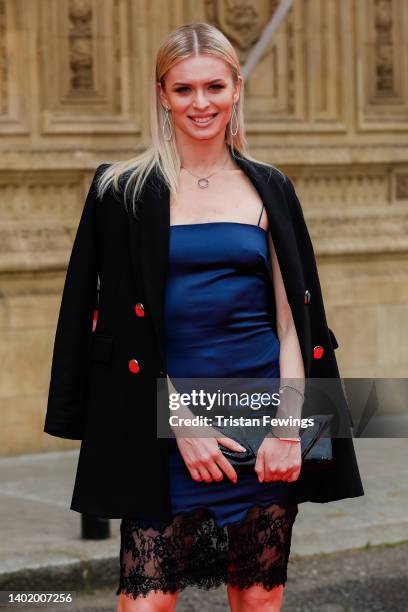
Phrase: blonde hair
(190, 40)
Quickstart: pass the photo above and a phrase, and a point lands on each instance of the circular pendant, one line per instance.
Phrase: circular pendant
(203, 183)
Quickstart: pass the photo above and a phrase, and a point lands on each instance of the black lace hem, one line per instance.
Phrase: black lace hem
(193, 550)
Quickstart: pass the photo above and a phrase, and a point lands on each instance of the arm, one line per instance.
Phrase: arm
(290, 360)
(279, 459)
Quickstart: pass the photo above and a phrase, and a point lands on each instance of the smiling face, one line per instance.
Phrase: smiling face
(200, 93)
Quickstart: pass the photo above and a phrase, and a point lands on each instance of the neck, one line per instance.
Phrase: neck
(204, 157)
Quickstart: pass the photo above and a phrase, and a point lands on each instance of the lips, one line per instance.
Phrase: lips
(203, 119)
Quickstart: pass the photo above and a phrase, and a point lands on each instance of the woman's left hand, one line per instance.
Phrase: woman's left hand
(278, 460)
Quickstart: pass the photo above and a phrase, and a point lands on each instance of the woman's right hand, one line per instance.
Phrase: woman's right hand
(204, 459)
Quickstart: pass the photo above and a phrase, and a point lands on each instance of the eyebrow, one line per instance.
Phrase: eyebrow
(207, 83)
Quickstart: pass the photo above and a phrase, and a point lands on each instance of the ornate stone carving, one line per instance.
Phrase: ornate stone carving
(384, 48)
(90, 55)
(241, 20)
(382, 75)
(401, 191)
(80, 44)
(3, 60)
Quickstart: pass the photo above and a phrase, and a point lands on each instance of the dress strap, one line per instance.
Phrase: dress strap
(259, 220)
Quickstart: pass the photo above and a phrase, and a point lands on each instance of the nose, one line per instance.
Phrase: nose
(200, 102)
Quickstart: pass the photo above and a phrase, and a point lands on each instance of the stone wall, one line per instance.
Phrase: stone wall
(328, 104)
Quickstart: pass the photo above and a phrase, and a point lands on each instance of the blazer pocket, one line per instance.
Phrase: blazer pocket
(333, 339)
(102, 348)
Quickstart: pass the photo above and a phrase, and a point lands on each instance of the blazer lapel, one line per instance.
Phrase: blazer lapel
(149, 236)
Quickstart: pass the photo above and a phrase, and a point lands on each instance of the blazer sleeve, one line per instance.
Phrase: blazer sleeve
(319, 325)
(321, 334)
(70, 359)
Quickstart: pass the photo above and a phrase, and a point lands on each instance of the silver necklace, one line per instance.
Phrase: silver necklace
(203, 182)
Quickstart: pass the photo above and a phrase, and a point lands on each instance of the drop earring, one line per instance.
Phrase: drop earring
(234, 114)
(167, 123)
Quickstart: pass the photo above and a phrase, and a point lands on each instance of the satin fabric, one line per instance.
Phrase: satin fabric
(220, 323)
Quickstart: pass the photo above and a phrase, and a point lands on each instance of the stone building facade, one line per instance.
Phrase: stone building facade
(327, 103)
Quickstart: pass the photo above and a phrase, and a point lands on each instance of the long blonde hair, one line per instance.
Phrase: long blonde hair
(189, 40)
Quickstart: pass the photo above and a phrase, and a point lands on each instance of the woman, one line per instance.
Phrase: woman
(211, 317)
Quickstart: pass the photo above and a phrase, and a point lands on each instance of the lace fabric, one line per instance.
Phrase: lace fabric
(193, 550)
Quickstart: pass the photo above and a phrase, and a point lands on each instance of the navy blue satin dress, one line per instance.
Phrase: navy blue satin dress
(220, 323)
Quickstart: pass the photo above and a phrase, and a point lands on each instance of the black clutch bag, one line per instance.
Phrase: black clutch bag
(316, 450)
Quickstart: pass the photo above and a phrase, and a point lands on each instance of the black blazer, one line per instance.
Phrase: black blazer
(103, 382)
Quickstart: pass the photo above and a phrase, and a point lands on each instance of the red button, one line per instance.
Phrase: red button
(318, 352)
(134, 366)
(94, 319)
(139, 309)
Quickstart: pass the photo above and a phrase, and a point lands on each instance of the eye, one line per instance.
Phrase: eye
(216, 85)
